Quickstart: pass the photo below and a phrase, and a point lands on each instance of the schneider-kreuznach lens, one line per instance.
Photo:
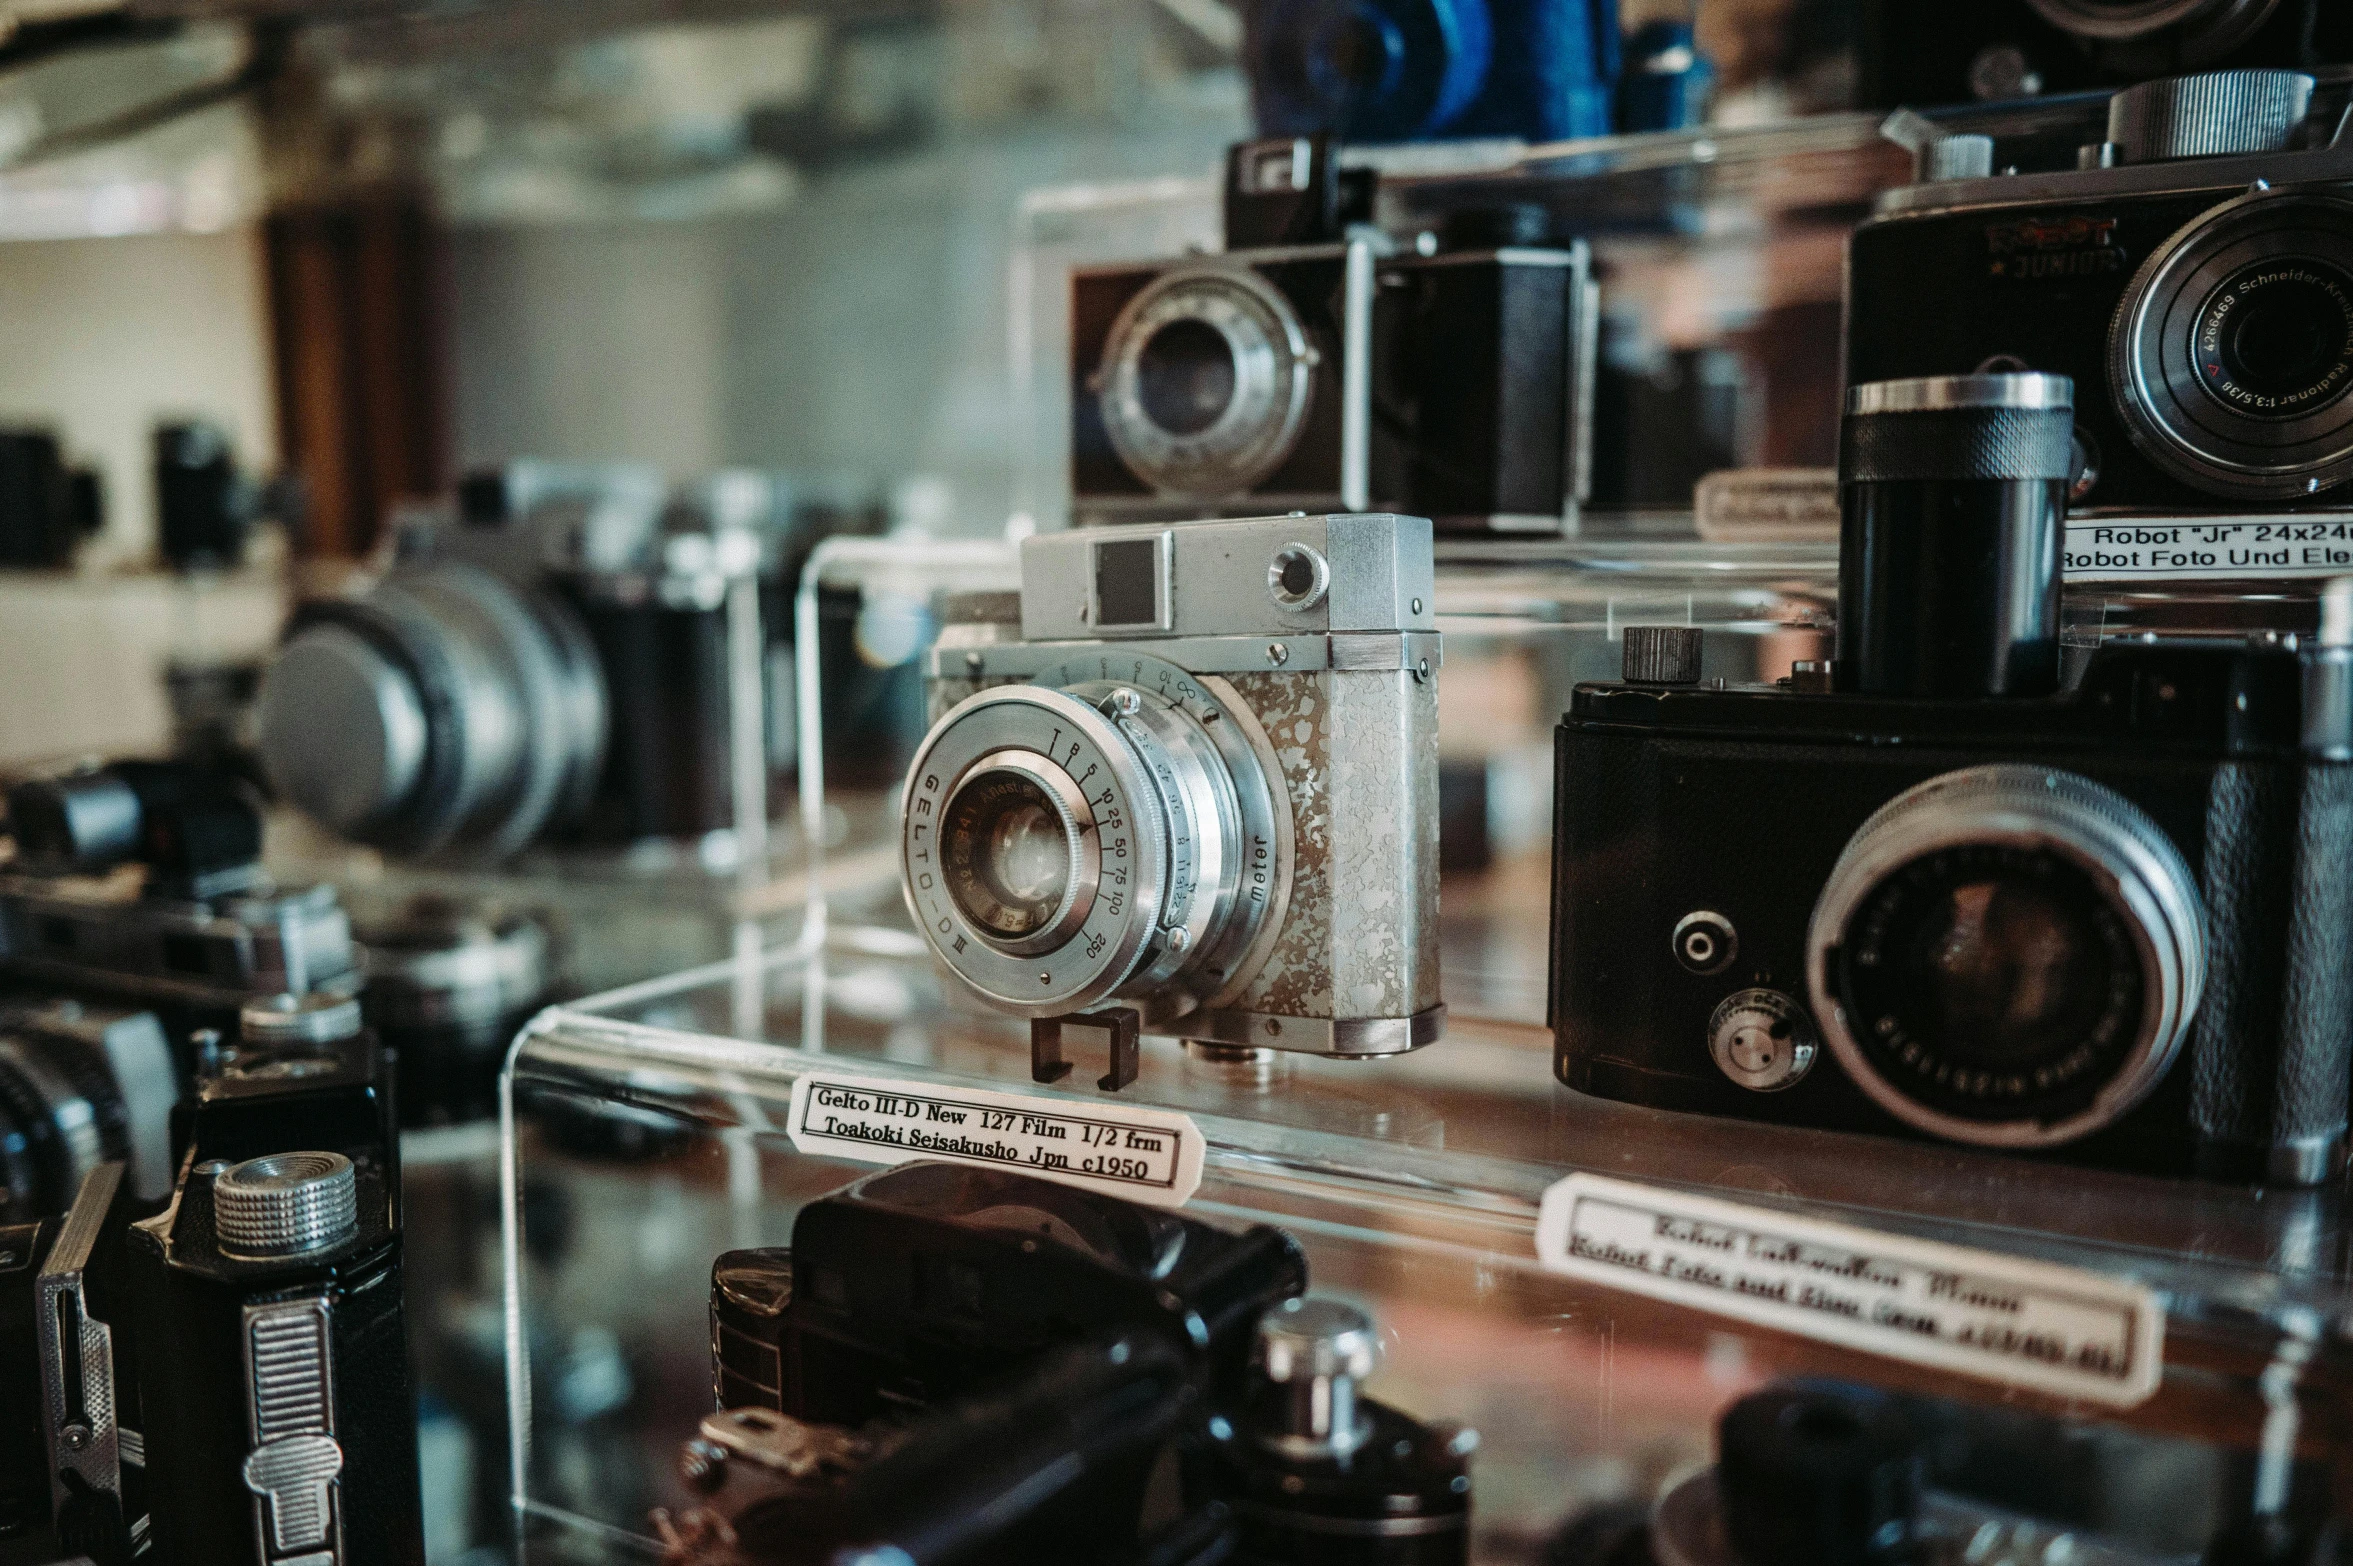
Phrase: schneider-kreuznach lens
(1066, 843)
(2007, 955)
(1205, 381)
(2231, 355)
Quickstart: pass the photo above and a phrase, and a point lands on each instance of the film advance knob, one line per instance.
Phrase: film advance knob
(318, 1017)
(1314, 1352)
(1663, 654)
(285, 1205)
(2219, 113)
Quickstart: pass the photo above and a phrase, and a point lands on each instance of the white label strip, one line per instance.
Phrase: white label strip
(2025, 1323)
(2208, 548)
(1144, 1155)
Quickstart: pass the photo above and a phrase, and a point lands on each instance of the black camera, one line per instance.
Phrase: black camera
(1313, 366)
(1820, 1473)
(2192, 274)
(2005, 49)
(945, 1351)
(142, 881)
(1938, 895)
(81, 1084)
(47, 506)
(271, 1348)
(450, 981)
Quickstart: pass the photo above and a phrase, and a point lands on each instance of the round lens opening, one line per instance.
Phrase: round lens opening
(1992, 982)
(1185, 376)
(1007, 853)
(2276, 339)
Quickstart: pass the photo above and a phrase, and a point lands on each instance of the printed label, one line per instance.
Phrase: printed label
(2026, 1323)
(1144, 1155)
(2168, 550)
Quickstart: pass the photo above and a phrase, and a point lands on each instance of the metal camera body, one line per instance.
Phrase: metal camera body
(1728, 863)
(2194, 278)
(549, 662)
(1317, 366)
(1221, 740)
(271, 1344)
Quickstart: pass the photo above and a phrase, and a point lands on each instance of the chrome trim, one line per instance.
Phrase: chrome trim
(77, 1351)
(2098, 829)
(1356, 379)
(1371, 650)
(1936, 393)
(1365, 1036)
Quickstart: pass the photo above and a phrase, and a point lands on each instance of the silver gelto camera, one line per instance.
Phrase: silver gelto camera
(1193, 771)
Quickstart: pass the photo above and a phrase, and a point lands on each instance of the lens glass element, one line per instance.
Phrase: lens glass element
(2275, 340)
(1992, 982)
(1185, 376)
(1007, 852)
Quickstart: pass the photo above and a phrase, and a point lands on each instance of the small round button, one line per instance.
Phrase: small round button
(1762, 1040)
(1705, 941)
(1298, 577)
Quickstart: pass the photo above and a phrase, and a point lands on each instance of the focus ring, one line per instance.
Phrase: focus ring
(1958, 444)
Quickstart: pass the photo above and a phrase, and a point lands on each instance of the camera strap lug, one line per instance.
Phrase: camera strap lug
(1125, 1025)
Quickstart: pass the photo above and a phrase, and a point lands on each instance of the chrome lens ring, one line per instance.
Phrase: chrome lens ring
(1083, 859)
(2126, 857)
(1273, 374)
(1058, 733)
(2177, 402)
(1243, 868)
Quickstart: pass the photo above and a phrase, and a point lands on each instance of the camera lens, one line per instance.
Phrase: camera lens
(1008, 846)
(1080, 838)
(446, 708)
(61, 1114)
(2276, 339)
(2232, 351)
(1205, 381)
(2217, 25)
(1185, 377)
(2008, 956)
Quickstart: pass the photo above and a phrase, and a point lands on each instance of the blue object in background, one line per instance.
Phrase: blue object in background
(1667, 82)
(1418, 70)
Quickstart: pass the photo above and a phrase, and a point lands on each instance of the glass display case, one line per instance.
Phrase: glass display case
(1414, 1186)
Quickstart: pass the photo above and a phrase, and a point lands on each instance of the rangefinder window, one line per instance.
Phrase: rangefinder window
(1128, 586)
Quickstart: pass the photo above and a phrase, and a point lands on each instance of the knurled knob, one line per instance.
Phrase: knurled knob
(320, 1017)
(1302, 1339)
(1663, 654)
(285, 1205)
(2213, 115)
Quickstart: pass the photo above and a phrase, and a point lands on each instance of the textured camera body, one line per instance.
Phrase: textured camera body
(1338, 702)
(1454, 386)
(1739, 803)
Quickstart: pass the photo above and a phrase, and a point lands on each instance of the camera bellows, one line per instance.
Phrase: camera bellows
(289, 1204)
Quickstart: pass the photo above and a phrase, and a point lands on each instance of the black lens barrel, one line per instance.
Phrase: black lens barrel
(1954, 498)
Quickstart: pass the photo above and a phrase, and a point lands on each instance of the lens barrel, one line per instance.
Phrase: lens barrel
(1954, 496)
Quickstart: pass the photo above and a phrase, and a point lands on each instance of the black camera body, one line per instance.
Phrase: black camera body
(2194, 279)
(2005, 49)
(1313, 366)
(946, 1351)
(1706, 841)
(272, 1352)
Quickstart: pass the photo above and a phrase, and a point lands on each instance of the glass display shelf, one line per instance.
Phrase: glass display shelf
(1413, 1184)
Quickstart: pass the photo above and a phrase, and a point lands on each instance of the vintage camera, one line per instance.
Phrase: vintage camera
(552, 662)
(271, 1348)
(81, 1084)
(72, 1475)
(47, 507)
(1945, 897)
(1309, 367)
(1199, 780)
(450, 981)
(1411, 70)
(142, 880)
(2194, 278)
(1815, 1472)
(2005, 49)
(970, 1366)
